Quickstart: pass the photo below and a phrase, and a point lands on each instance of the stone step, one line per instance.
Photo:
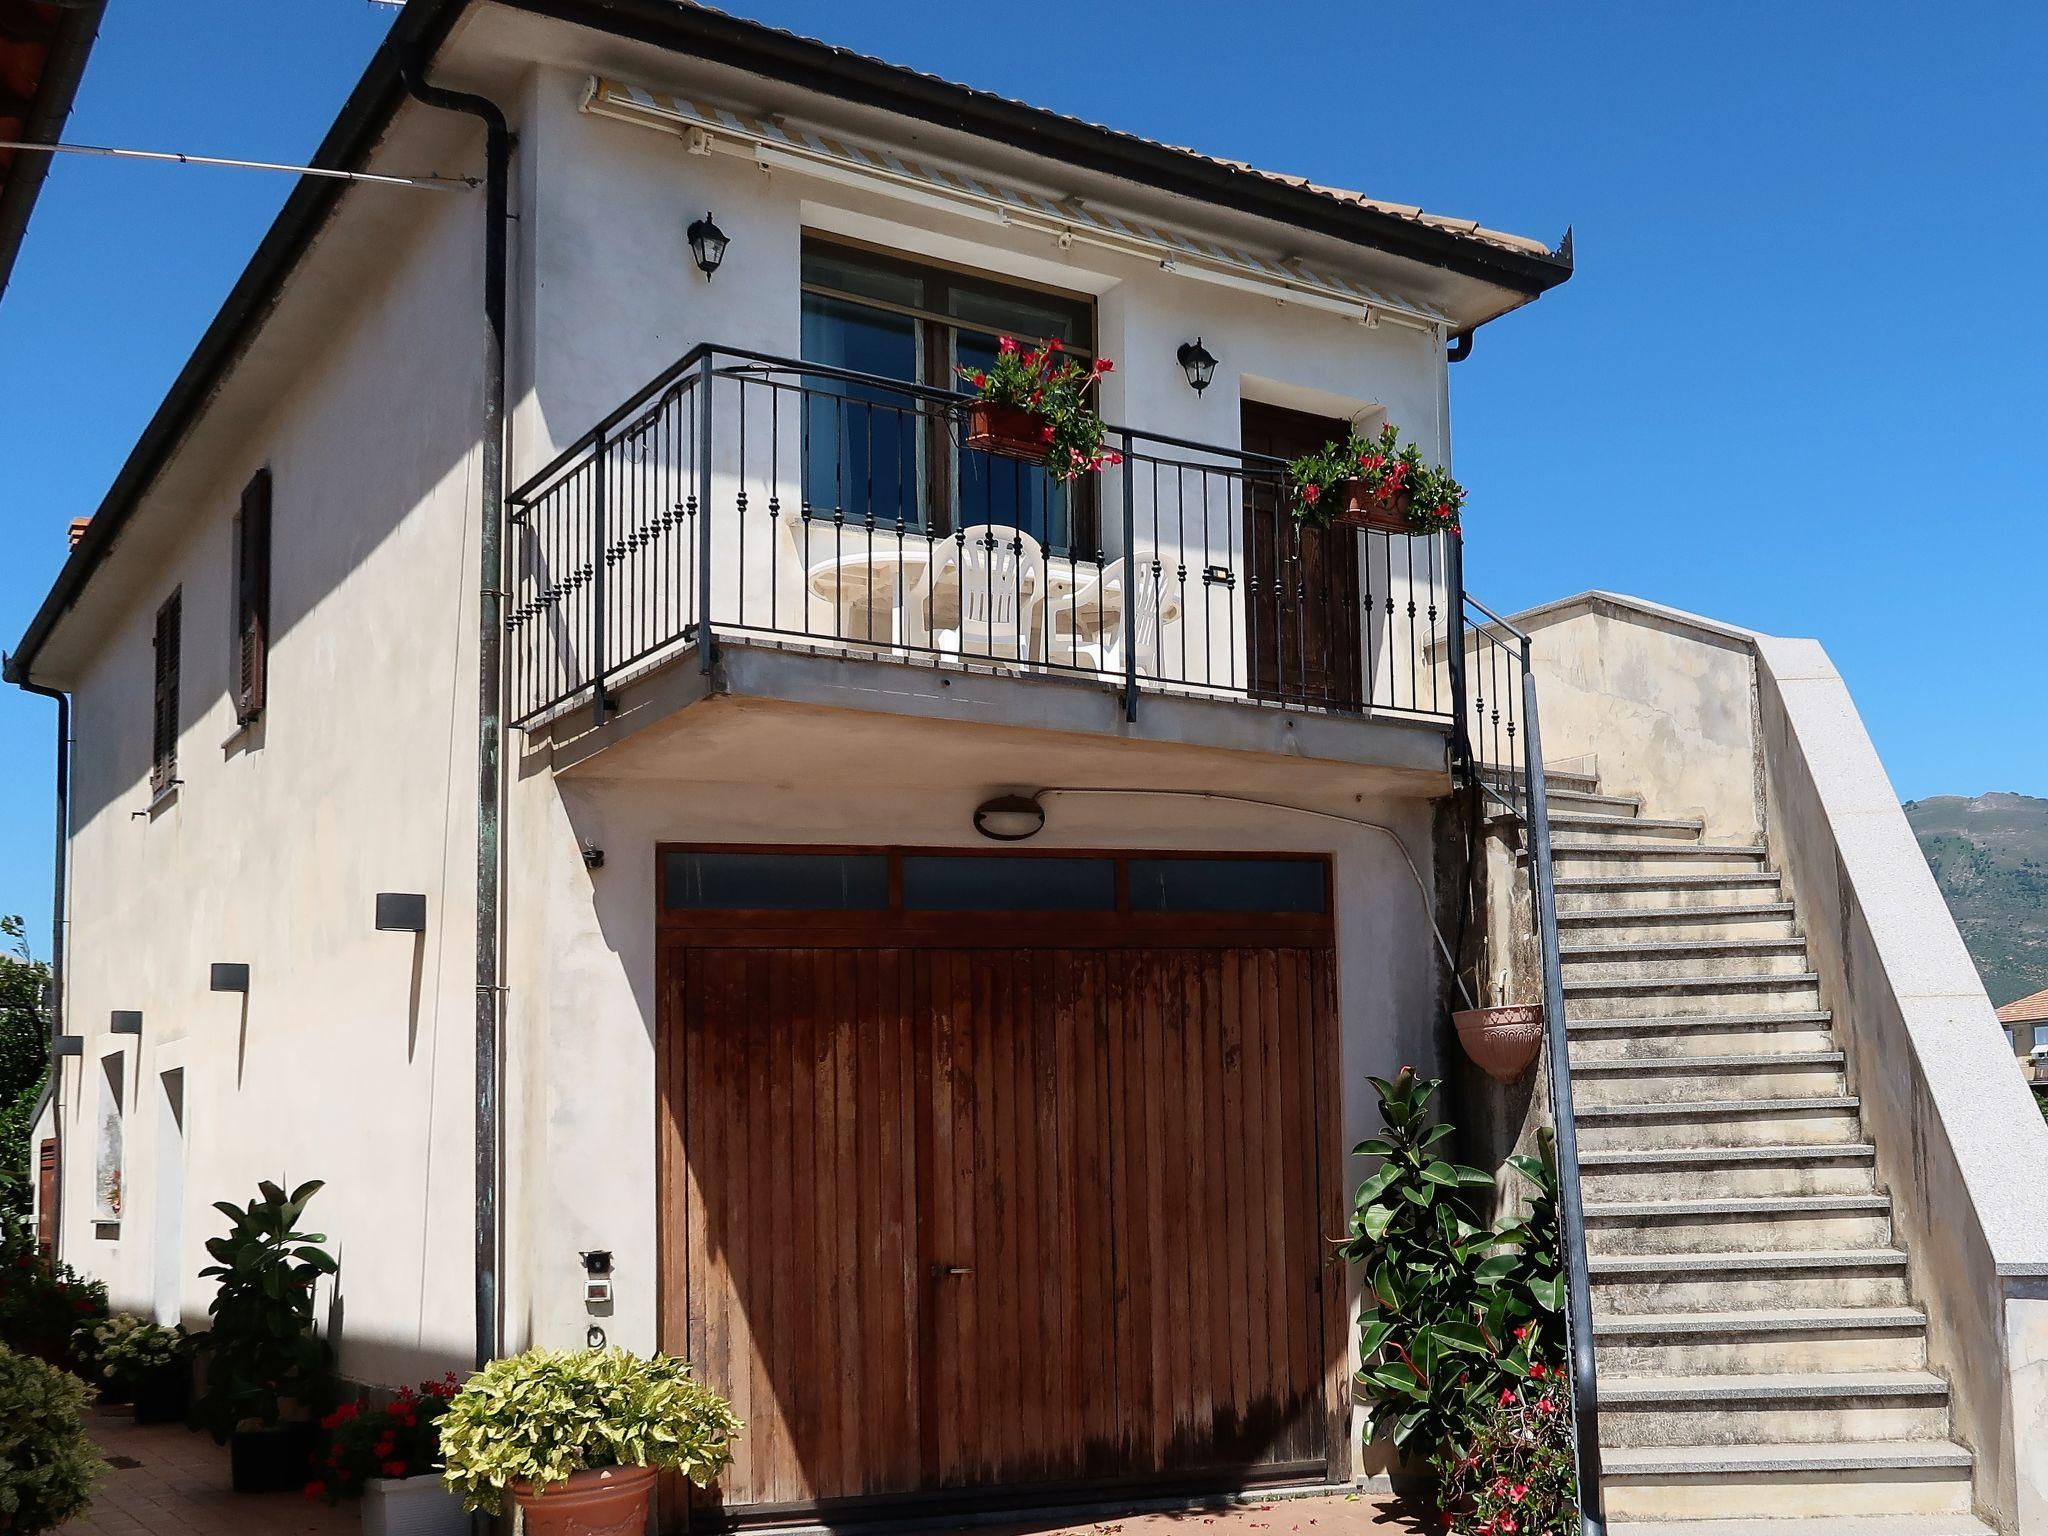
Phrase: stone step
(1708, 1282)
(1602, 826)
(1729, 1173)
(1746, 1225)
(1588, 958)
(1867, 1488)
(1595, 887)
(1814, 1339)
(1555, 780)
(1592, 801)
(1679, 923)
(1679, 1035)
(1611, 997)
(1581, 856)
(1677, 1079)
(1782, 1408)
(1823, 1121)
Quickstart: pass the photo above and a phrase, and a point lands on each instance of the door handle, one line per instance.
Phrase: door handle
(948, 1271)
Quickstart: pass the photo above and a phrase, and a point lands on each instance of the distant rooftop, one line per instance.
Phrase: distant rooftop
(2028, 1010)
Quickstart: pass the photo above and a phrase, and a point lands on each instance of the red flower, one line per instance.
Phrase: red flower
(1045, 433)
(1311, 494)
(1507, 1395)
(1006, 345)
(1104, 365)
(1522, 1332)
(316, 1489)
(1053, 345)
(394, 1469)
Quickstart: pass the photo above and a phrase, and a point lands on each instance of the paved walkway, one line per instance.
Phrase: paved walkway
(168, 1481)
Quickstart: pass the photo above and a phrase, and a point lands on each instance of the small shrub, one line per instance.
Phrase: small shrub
(1514, 1476)
(401, 1438)
(1455, 1312)
(537, 1417)
(47, 1465)
(127, 1351)
(44, 1305)
(262, 1351)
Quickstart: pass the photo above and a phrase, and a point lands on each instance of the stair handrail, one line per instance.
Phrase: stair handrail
(1571, 1221)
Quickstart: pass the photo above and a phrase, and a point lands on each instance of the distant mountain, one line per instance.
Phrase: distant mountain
(1990, 858)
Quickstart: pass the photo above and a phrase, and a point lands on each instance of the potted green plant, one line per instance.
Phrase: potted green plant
(266, 1367)
(577, 1437)
(389, 1455)
(141, 1362)
(47, 1465)
(1034, 404)
(1379, 483)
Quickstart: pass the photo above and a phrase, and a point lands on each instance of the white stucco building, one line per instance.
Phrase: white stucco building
(691, 710)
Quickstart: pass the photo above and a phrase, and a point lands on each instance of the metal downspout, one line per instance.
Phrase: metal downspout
(490, 689)
(59, 880)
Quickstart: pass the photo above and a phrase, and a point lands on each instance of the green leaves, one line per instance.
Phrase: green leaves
(536, 1418)
(1456, 1309)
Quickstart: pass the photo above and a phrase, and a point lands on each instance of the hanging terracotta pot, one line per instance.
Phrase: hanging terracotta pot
(1010, 431)
(1501, 1041)
(607, 1501)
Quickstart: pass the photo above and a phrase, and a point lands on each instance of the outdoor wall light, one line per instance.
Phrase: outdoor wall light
(125, 1021)
(229, 977)
(1197, 363)
(71, 1045)
(707, 245)
(1009, 818)
(401, 912)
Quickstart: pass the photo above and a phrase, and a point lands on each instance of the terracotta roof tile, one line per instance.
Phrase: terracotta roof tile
(2027, 1010)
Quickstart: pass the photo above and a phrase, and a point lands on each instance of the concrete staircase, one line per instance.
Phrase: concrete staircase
(1762, 1365)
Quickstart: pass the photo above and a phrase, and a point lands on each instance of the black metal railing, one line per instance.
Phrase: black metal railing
(836, 508)
(1500, 740)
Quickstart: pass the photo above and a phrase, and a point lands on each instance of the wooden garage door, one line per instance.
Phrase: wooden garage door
(945, 1217)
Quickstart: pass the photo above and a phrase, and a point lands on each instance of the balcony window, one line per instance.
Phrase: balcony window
(869, 454)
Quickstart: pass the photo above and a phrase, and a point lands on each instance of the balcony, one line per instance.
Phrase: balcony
(817, 509)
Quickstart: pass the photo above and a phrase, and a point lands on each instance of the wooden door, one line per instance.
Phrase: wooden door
(1302, 618)
(1001, 1218)
(46, 1198)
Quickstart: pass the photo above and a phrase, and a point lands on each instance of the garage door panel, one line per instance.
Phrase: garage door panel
(959, 1218)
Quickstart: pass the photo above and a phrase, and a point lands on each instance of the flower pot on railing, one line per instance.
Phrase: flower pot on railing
(1359, 507)
(1009, 431)
(1501, 1041)
(605, 1501)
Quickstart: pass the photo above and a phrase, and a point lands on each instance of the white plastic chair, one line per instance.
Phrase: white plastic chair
(985, 592)
(1091, 628)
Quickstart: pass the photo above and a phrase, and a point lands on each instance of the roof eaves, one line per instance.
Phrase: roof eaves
(417, 32)
(56, 89)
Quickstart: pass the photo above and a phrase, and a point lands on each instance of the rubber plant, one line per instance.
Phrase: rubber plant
(1456, 1311)
(262, 1351)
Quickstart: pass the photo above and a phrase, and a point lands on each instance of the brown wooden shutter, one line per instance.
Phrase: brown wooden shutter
(46, 1198)
(164, 731)
(252, 599)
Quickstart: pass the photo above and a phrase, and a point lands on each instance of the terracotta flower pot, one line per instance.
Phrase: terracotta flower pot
(1009, 431)
(1358, 507)
(1502, 1041)
(608, 1501)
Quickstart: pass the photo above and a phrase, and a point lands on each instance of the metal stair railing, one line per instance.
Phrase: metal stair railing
(1498, 742)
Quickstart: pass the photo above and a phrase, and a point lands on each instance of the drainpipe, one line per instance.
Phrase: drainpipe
(490, 686)
(61, 864)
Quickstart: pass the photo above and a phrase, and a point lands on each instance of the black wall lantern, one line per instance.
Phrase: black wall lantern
(1009, 818)
(1197, 363)
(707, 245)
(125, 1021)
(401, 912)
(229, 976)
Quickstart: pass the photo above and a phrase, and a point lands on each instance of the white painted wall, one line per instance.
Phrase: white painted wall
(348, 1060)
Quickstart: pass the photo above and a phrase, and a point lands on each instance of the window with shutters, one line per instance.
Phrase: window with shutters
(163, 763)
(250, 664)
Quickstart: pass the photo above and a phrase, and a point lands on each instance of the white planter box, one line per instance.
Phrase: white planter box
(412, 1506)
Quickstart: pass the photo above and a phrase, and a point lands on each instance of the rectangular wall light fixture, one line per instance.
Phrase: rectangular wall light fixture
(401, 912)
(126, 1021)
(229, 977)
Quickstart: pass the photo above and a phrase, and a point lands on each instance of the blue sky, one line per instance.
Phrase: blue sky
(1798, 381)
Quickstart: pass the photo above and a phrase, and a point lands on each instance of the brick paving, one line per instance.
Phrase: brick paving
(179, 1487)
